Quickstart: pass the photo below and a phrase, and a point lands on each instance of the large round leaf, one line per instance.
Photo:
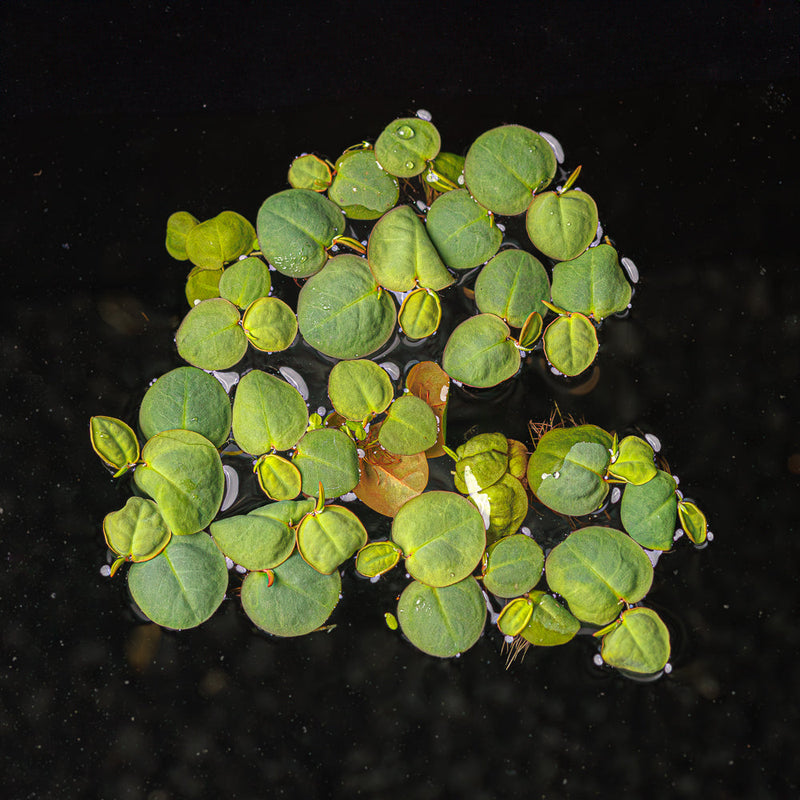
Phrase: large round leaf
(268, 413)
(187, 398)
(593, 283)
(401, 255)
(361, 188)
(295, 228)
(278, 478)
(442, 621)
(215, 242)
(210, 336)
(269, 324)
(648, 511)
(245, 281)
(309, 172)
(184, 585)
(359, 389)
(596, 570)
(567, 470)
(254, 541)
(638, 643)
(410, 427)
(513, 566)
(512, 286)
(327, 538)
(506, 165)
(327, 456)
(480, 352)
(182, 472)
(570, 343)
(343, 312)
(294, 600)
(562, 225)
(137, 532)
(441, 535)
(405, 145)
(461, 230)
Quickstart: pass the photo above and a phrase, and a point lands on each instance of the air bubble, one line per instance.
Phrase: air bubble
(404, 132)
(392, 370)
(653, 441)
(598, 660)
(616, 493)
(293, 377)
(558, 150)
(322, 411)
(423, 113)
(631, 269)
(105, 570)
(227, 379)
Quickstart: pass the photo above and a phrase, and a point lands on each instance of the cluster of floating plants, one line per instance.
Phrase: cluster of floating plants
(303, 319)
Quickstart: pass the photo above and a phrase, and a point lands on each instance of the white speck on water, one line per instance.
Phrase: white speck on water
(555, 371)
(558, 150)
(391, 369)
(105, 570)
(710, 537)
(653, 555)
(335, 248)
(240, 569)
(653, 441)
(508, 639)
(460, 179)
(501, 227)
(443, 394)
(598, 660)
(322, 411)
(374, 578)
(422, 205)
(616, 493)
(227, 379)
(348, 497)
(677, 535)
(228, 562)
(360, 452)
(423, 113)
(667, 668)
(526, 530)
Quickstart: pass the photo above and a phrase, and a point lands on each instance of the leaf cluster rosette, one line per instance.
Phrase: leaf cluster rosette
(476, 250)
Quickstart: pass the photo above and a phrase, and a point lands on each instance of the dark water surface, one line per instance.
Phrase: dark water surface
(696, 183)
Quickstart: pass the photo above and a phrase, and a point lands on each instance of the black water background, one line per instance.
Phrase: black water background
(693, 164)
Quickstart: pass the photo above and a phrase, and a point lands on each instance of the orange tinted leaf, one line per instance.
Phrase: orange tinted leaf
(428, 381)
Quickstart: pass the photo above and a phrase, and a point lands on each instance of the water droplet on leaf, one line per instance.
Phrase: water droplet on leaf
(404, 132)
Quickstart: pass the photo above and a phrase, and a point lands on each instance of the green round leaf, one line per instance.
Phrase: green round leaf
(634, 461)
(442, 621)
(268, 413)
(503, 506)
(375, 558)
(202, 284)
(342, 312)
(570, 343)
(567, 470)
(182, 472)
(178, 226)
(309, 172)
(269, 324)
(245, 281)
(295, 228)
(405, 145)
(550, 624)
(298, 601)
(596, 570)
(410, 426)
(482, 461)
(648, 511)
(513, 566)
(278, 478)
(401, 255)
(190, 399)
(515, 616)
(359, 389)
(563, 225)
(639, 643)
(328, 456)
(512, 286)
(693, 521)
(210, 336)
(480, 352)
(506, 165)
(428, 381)
(254, 541)
(442, 537)
(327, 538)
(114, 441)
(361, 188)
(593, 283)
(215, 242)
(184, 585)
(462, 231)
(420, 314)
(137, 531)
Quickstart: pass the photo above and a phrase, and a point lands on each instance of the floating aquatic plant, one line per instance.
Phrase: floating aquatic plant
(428, 231)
